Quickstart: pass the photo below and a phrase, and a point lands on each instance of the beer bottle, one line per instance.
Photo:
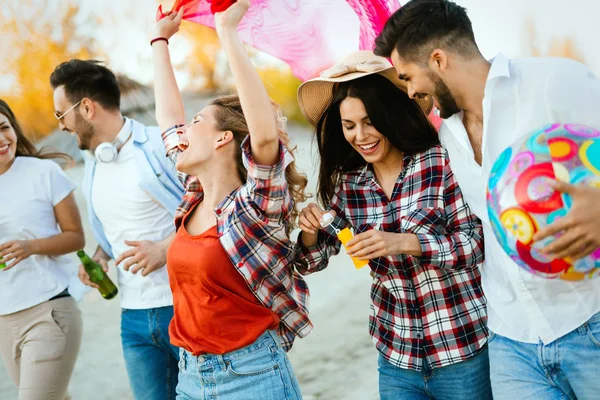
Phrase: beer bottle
(2, 264)
(107, 288)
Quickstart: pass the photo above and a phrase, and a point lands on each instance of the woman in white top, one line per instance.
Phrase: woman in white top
(40, 323)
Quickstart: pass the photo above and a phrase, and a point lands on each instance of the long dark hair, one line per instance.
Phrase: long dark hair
(24, 147)
(391, 112)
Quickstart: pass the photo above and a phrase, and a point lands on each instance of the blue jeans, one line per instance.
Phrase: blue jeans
(568, 368)
(258, 371)
(150, 359)
(466, 380)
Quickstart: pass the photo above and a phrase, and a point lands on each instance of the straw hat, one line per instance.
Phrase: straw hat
(315, 95)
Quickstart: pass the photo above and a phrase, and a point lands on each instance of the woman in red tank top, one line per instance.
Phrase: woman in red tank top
(239, 304)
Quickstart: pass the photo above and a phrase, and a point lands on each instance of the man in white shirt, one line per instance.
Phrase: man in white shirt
(545, 334)
(132, 192)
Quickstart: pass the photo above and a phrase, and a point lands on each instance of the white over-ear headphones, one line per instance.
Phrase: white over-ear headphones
(108, 152)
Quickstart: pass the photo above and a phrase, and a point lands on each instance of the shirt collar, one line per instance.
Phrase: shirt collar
(499, 69)
(125, 131)
(367, 173)
(127, 126)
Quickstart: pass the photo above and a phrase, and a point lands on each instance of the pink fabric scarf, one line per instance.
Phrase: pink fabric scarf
(309, 35)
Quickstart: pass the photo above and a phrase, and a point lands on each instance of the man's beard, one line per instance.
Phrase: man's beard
(85, 131)
(446, 102)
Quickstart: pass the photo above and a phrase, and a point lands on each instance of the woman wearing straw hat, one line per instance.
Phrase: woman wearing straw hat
(384, 175)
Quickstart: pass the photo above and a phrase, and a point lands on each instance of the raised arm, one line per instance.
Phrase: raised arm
(170, 112)
(257, 107)
(169, 105)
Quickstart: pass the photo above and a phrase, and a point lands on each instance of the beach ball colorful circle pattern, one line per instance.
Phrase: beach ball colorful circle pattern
(520, 201)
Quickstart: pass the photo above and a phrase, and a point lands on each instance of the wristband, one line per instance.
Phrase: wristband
(158, 39)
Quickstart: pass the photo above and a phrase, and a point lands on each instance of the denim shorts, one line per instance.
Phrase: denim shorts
(258, 371)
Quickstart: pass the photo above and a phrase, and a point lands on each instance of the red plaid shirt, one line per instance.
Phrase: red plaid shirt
(428, 310)
(251, 222)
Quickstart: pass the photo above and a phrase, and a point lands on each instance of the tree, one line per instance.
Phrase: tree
(208, 68)
(202, 60)
(36, 39)
(282, 87)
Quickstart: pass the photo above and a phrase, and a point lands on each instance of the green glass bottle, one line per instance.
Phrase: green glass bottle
(2, 264)
(107, 288)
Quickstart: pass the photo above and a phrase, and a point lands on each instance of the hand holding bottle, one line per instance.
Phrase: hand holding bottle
(83, 275)
(96, 274)
(309, 221)
(312, 218)
(15, 251)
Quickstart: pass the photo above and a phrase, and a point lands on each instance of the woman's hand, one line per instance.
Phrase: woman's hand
(309, 221)
(15, 251)
(169, 25)
(374, 244)
(229, 19)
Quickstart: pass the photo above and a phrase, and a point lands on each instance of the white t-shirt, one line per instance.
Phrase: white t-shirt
(128, 213)
(30, 190)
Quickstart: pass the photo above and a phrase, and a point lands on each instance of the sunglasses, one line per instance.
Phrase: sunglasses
(59, 116)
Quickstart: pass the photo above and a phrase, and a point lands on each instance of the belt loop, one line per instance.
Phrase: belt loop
(427, 370)
(222, 362)
(182, 359)
(272, 335)
(275, 338)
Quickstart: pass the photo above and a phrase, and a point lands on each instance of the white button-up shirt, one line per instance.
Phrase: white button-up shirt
(521, 96)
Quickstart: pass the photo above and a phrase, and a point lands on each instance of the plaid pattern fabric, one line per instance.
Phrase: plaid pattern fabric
(252, 224)
(429, 310)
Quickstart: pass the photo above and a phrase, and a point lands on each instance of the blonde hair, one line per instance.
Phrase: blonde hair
(229, 116)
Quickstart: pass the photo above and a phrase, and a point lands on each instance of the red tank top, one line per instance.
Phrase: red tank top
(215, 311)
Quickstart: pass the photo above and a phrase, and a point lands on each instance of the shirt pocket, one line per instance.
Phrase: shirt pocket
(424, 220)
(364, 227)
(369, 218)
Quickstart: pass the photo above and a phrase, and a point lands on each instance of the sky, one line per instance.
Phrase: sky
(500, 26)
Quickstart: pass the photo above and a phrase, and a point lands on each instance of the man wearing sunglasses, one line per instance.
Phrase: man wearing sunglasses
(132, 192)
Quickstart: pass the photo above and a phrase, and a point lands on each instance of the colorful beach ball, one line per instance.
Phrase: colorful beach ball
(520, 201)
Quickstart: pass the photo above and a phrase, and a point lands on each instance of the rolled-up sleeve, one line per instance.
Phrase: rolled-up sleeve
(462, 244)
(316, 258)
(170, 139)
(266, 188)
